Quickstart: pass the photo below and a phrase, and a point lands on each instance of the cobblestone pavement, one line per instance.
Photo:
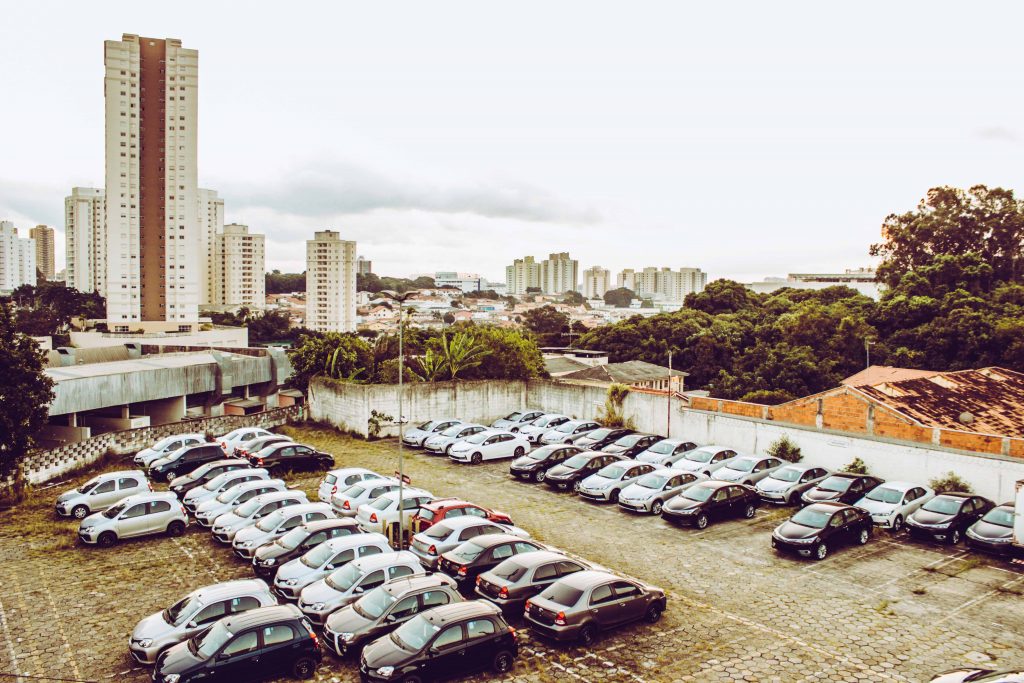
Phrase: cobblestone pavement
(892, 610)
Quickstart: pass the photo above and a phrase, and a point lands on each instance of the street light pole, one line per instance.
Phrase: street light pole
(400, 299)
(668, 415)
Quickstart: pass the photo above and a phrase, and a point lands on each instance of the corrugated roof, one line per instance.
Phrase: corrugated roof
(559, 365)
(624, 373)
(885, 373)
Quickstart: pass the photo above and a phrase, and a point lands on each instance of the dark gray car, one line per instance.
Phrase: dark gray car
(521, 577)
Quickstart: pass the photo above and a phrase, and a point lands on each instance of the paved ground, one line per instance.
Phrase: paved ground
(893, 610)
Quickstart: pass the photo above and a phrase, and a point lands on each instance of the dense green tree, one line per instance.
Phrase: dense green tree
(548, 323)
(271, 326)
(620, 297)
(340, 355)
(574, 298)
(47, 309)
(25, 393)
(460, 352)
(483, 294)
(285, 283)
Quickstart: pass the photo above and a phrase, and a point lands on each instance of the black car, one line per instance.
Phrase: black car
(993, 533)
(599, 438)
(296, 542)
(200, 475)
(480, 554)
(708, 500)
(282, 457)
(946, 516)
(266, 642)
(184, 461)
(841, 487)
(632, 445)
(820, 527)
(580, 466)
(444, 642)
(534, 465)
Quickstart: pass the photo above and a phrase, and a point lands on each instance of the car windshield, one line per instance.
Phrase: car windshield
(215, 483)
(836, 484)
(344, 578)
(228, 495)
(561, 594)
(1000, 516)
(884, 494)
(510, 570)
(453, 431)
(567, 427)
(629, 440)
(577, 461)
(512, 417)
(653, 481)
(663, 447)
(114, 511)
(248, 507)
(698, 493)
(545, 421)
(89, 485)
(787, 474)
(374, 603)
(944, 505)
(743, 464)
(316, 557)
(613, 471)
(208, 643)
(266, 450)
(292, 539)
(700, 455)
(816, 519)
(179, 610)
(414, 634)
(382, 503)
(468, 551)
(425, 426)
(542, 452)
(268, 523)
(599, 434)
(479, 437)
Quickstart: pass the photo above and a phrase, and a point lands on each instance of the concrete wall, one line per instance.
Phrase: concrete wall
(232, 337)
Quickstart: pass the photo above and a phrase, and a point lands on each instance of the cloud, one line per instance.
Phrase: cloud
(997, 133)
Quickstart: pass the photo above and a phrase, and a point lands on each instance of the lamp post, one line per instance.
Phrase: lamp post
(400, 299)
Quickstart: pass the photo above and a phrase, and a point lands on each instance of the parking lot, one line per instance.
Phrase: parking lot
(892, 610)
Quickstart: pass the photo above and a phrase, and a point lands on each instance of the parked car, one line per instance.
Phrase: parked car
(709, 500)
(417, 435)
(516, 418)
(181, 486)
(336, 480)
(317, 563)
(251, 511)
(947, 516)
(277, 524)
(266, 642)
(232, 439)
(449, 508)
(650, 492)
(441, 444)
(101, 492)
(141, 514)
(536, 429)
(580, 605)
(534, 465)
(347, 501)
(346, 585)
(706, 459)
(477, 555)
(604, 485)
(443, 642)
(253, 446)
(166, 446)
(786, 484)
(449, 534)
(298, 542)
(183, 461)
(517, 579)
(285, 457)
(194, 613)
(383, 512)
(219, 484)
(816, 530)
(208, 511)
(841, 487)
(889, 504)
(567, 432)
(970, 674)
(993, 533)
(383, 609)
(747, 469)
(597, 439)
(570, 473)
(489, 445)
(631, 445)
(666, 452)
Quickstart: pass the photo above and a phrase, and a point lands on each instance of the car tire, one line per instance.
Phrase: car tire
(864, 537)
(587, 635)
(749, 511)
(656, 507)
(702, 521)
(821, 551)
(519, 451)
(412, 679)
(954, 537)
(575, 487)
(502, 662)
(539, 476)
(304, 668)
(80, 512)
(897, 525)
(476, 458)
(613, 497)
(106, 539)
(653, 614)
(176, 528)
(448, 449)
(169, 476)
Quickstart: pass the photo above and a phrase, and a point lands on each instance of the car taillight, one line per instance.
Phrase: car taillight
(373, 517)
(150, 485)
(432, 550)
(478, 580)
(513, 632)
(259, 462)
(183, 511)
(526, 607)
(223, 445)
(316, 641)
(560, 619)
(334, 489)
(503, 593)
(462, 571)
(346, 506)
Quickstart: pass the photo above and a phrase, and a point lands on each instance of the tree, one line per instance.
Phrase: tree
(448, 318)
(548, 323)
(461, 352)
(284, 283)
(47, 309)
(25, 393)
(271, 326)
(574, 298)
(721, 296)
(334, 354)
(534, 290)
(431, 365)
(511, 354)
(619, 298)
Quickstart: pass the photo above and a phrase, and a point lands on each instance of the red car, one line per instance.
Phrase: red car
(445, 508)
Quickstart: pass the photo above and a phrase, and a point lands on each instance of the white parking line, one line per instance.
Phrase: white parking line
(60, 629)
(980, 598)
(10, 643)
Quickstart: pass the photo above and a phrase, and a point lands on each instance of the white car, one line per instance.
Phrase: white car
(253, 510)
(542, 424)
(227, 501)
(786, 484)
(567, 431)
(706, 459)
(492, 444)
(346, 585)
(277, 524)
(517, 418)
(166, 446)
(346, 502)
(747, 469)
(378, 516)
(449, 534)
(417, 435)
(232, 439)
(317, 563)
(666, 452)
(101, 492)
(253, 446)
(606, 484)
(441, 443)
(219, 484)
(892, 502)
(336, 480)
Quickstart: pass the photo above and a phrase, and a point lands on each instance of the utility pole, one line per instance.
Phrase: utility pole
(668, 416)
(400, 299)
(867, 351)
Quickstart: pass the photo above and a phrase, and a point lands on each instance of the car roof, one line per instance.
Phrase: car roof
(901, 485)
(255, 484)
(849, 475)
(714, 447)
(271, 496)
(333, 523)
(259, 616)
(419, 581)
(457, 611)
(303, 507)
(219, 591)
(146, 496)
(829, 505)
(537, 557)
(355, 540)
(226, 461)
(407, 492)
(439, 503)
(372, 562)
(587, 578)
(487, 540)
(285, 444)
(349, 470)
(714, 483)
(958, 494)
(120, 473)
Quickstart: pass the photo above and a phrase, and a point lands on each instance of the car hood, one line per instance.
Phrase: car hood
(293, 569)
(152, 626)
(793, 530)
(688, 465)
(770, 485)
(319, 591)
(525, 462)
(876, 507)
(348, 620)
(68, 495)
(678, 503)
(212, 504)
(728, 474)
(251, 533)
(415, 433)
(636, 492)
(229, 520)
(614, 448)
(595, 480)
(183, 480)
(437, 438)
(384, 652)
(177, 659)
(989, 530)
(95, 519)
(463, 446)
(560, 471)
(929, 517)
(159, 462)
(818, 494)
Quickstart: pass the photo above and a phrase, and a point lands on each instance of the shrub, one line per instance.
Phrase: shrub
(857, 466)
(784, 448)
(376, 421)
(950, 482)
(612, 415)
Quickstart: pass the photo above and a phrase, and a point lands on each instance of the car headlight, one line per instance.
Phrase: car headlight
(269, 562)
(172, 678)
(291, 582)
(145, 642)
(347, 637)
(383, 672)
(812, 539)
(944, 525)
(319, 606)
(245, 544)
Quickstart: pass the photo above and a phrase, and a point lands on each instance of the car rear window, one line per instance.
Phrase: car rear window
(426, 514)
(330, 479)
(562, 594)
(509, 570)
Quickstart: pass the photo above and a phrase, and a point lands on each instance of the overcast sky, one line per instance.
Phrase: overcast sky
(748, 139)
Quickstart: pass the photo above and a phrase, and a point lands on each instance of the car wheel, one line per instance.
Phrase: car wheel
(897, 525)
(304, 667)
(520, 451)
(176, 528)
(864, 537)
(576, 487)
(80, 512)
(448, 449)
(749, 511)
(412, 679)
(954, 537)
(821, 552)
(653, 614)
(540, 476)
(170, 476)
(503, 662)
(702, 521)
(476, 458)
(106, 539)
(614, 496)
(656, 508)
(588, 634)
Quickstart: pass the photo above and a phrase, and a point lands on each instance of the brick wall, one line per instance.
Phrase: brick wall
(845, 413)
(800, 412)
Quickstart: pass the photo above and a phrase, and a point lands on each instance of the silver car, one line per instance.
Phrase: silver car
(515, 418)
(315, 564)
(277, 524)
(442, 443)
(221, 483)
(449, 534)
(193, 613)
(100, 492)
(339, 479)
(139, 515)
(747, 469)
(346, 502)
(346, 585)
(227, 525)
(227, 501)
(606, 484)
(666, 452)
(166, 446)
(706, 459)
(417, 435)
(567, 431)
(649, 492)
(523, 576)
(889, 504)
(785, 485)
(542, 424)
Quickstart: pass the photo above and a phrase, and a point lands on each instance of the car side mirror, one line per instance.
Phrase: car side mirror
(390, 619)
(360, 589)
(223, 655)
(435, 650)
(192, 624)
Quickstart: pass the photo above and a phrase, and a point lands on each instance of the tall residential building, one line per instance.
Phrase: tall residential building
(596, 281)
(364, 266)
(85, 250)
(663, 283)
(559, 274)
(523, 274)
(43, 235)
(211, 224)
(17, 259)
(330, 283)
(240, 268)
(152, 222)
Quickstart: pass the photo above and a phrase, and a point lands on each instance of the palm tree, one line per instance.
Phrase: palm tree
(461, 352)
(431, 365)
